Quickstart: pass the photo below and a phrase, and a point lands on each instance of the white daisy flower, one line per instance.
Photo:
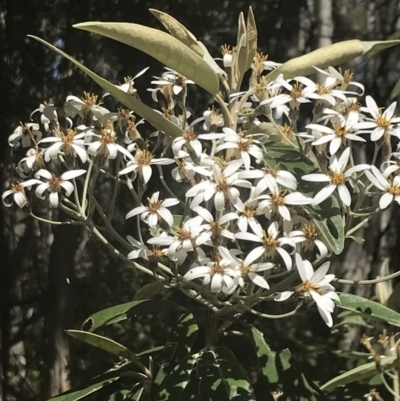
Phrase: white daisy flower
(308, 237)
(315, 286)
(129, 82)
(390, 188)
(217, 227)
(270, 243)
(55, 183)
(27, 133)
(243, 147)
(221, 186)
(18, 193)
(277, 202)
(187, 238)
(142, 162)
(190, 142)
(70, 143)
(337, 179)
(381, 124)
(246, 269)
(155, 211)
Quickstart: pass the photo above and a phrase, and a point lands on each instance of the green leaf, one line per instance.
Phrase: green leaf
(396, 90)
(369, 308)
(178, 31)
(222, 377)
(123, 311)
(149, 291)
(104, 343)
(359, 240)
(154, 118)
(294, 384)
(75, 394)
(327, 215)
(349, 318)
(125, 395)
(360, 373)
(266, 357)
(162, 46)
(179, 343)
(176, 383)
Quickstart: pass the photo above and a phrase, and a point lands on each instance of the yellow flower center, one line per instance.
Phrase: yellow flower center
(217, 268)
(154, 206)
(55, 183)
(382, 122)
(189, 135)
(143, 157)
(310, 232)
(90, 99)
(338, 179)
(17, 187)
(297, 91)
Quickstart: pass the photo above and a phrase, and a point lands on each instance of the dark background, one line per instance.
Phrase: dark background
(37, 360)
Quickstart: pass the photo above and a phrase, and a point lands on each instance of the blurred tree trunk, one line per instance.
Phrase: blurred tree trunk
(323, 17)
(60, 308)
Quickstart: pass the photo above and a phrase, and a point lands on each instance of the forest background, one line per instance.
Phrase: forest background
(52, 278)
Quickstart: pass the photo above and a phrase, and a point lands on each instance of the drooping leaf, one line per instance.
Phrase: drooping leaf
(104, 343)
(369, 308)
(327, 215)
(154, 118)
(360, 373)
(83, 391)
(121, 312)
(178, 31)
(162, 46)
(149, 291)
(177, 381)
(222, 377)
(266, 357)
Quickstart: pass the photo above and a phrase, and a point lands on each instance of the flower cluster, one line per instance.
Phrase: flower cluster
(229, 219)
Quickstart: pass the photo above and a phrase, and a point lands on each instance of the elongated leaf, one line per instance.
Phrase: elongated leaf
(332, 55)
(211, 62)
(176, 383)
(121, 312)
(251, 37)
(326, 216)
(104, 343)
(360, 373)
(125, 395)
(154, 118)
(266, 357)
(162, 46)
(178, 31)
(395, 90)
(369, 308)
(85, 391)
(376, 46)
(222, 377)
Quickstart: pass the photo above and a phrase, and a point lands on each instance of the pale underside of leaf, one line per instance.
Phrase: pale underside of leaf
(162, 46)
(154, 118)
(178, 31)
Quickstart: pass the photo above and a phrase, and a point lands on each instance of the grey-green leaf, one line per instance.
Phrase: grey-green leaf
(104, 343)
(154, 118)
(369, 308)
(84, 392)
(331, 55)
(376, 46)
(360, 373)
(178, 31)
(162, 46)
(120, 312)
